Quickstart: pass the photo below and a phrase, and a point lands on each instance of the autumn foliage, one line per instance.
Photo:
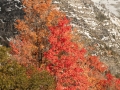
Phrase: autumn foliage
(72, 69)
(63, 56)
(14, 76)
(29, 45)
(45, 36)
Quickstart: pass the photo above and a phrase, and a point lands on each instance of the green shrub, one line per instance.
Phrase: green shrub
(117, 75)
(101, 17)
(13, 76)
(42, 81)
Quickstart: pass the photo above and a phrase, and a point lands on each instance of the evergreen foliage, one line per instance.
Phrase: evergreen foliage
(15, 77)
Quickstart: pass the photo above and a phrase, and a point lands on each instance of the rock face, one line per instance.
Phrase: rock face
(98, 28)
(112, 5)
(10, 10)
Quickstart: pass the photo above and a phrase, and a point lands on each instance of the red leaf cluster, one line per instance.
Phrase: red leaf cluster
(72, 69)
(63, 56)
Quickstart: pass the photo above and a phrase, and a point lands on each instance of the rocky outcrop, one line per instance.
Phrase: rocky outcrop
(10, 10)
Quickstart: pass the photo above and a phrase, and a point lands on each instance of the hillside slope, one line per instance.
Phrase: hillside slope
(98, 27)
(112, 5)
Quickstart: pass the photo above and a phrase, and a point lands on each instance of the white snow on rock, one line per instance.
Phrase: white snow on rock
(110, 5)
(88, 35)
(115, 20)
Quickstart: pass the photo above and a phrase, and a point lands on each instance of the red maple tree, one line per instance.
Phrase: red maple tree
(63, 56)
(72, 69)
